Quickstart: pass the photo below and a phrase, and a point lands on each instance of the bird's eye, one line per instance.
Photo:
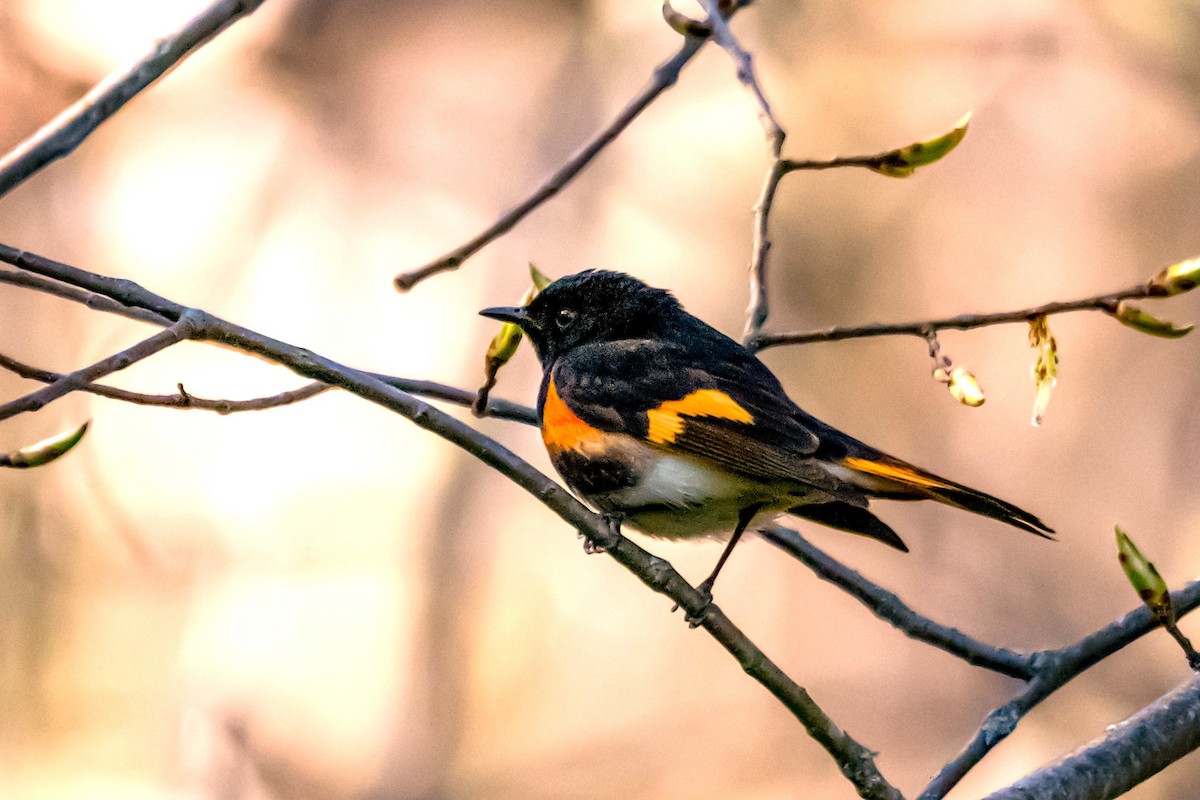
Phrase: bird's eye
(564, 318)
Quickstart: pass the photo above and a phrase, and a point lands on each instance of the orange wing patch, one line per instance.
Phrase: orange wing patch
(904, 475)
(666, 421)
(562, 429)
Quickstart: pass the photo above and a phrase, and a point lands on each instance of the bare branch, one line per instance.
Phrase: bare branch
(1126, 755)
(181, 400)
(496, 408)
(93, 301)
(723, 36)
(184, 328)
(664, 77)
(501, 409)
(756, 313)
(1104, 302)
(855, 761)
(64, 133)
(124, 292)
(1053, 669)
(891, 609)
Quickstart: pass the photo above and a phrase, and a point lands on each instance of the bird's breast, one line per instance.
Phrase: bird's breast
(659, 493)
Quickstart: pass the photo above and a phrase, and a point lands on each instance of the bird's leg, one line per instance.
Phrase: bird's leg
(705, 588)
(613, 522)
(744, 517)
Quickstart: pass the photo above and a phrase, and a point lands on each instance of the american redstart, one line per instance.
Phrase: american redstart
(662, 422)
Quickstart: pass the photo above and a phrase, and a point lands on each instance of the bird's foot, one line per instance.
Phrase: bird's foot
(697, 619)
(613, 523)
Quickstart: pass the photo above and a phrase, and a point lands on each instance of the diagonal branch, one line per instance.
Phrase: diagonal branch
(93, 301)
(1127, 754)
(664, 77)
(64, 133)
(891, 609)
(183, 328)
(855, 761)
(1053, 669)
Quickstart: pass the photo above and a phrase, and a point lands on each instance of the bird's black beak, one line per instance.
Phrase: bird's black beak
(514, 314)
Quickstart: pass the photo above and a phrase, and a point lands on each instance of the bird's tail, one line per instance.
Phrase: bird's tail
(883, 476)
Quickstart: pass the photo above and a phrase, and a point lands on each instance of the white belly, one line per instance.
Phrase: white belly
(688, 498)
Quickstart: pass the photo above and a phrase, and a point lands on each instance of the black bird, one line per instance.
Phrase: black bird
(659, 420)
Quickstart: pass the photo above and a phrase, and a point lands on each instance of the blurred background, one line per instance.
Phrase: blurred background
(324, 601)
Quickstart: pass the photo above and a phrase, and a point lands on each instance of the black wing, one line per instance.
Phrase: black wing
(729, 410)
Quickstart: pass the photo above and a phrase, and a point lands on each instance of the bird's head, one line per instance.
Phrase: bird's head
(589, 307)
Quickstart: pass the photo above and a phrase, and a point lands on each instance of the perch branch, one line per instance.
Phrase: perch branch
(64, 133)
(855, 761)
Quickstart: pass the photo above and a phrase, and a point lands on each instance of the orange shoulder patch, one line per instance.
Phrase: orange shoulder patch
(899, 474)
(562, 429)
(666, 421)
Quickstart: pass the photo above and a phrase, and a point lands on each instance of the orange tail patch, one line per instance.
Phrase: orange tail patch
(895, 472)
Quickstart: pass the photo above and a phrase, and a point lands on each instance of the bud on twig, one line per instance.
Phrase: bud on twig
(45, 451)
(961, 383)
(902, 162)
(1153, 590)
(504, 344)
(1045, 367)
(683, 24)
(1177, 278)
(1134, 317)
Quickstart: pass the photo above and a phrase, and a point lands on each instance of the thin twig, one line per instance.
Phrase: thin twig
(93, 301)
(875, 163)
(183, 328)
(664, 77)
(756, 313)
(723, 36)
(855, 761)
(64, 133)
(501, 409)
(180, 400)
(1104, 302)
(759, 308)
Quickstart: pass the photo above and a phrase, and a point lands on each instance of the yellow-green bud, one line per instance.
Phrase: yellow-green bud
(45, 451)
(902, 162)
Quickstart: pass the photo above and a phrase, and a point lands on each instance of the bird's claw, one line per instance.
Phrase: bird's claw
(613, 523)
(697, 619)
(591, 546)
